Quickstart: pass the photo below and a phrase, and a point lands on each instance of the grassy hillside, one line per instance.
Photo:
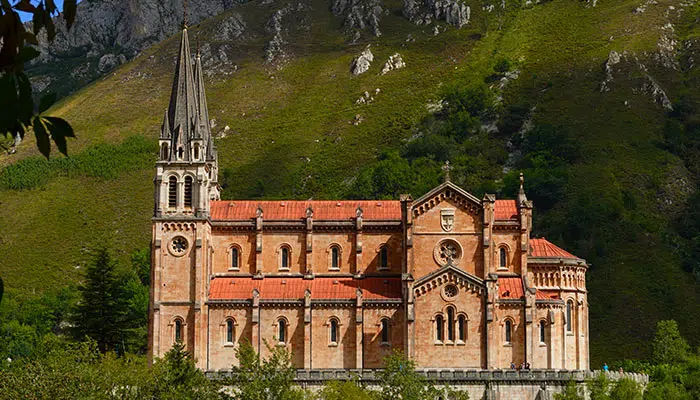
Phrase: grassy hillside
(607, 183)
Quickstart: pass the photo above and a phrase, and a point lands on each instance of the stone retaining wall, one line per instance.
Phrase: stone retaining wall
(481, 384)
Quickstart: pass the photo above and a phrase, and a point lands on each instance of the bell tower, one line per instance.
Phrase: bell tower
(185, 183)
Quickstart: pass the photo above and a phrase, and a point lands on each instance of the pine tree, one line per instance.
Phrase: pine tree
(102, 310)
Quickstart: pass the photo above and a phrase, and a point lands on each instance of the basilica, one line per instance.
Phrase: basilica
(450, 280)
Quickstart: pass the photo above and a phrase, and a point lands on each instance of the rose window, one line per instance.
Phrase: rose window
(448, 252)
(178, 246)
(451, 291)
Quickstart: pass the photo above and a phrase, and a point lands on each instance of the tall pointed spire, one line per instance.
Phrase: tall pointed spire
(182, 111)
(203, 115)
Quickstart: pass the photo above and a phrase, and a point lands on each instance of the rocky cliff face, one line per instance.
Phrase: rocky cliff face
(106, 34)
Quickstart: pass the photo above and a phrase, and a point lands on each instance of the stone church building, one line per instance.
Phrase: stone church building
(451, 280)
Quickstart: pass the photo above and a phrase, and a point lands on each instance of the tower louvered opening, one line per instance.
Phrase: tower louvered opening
(172, 192)
(188, 192)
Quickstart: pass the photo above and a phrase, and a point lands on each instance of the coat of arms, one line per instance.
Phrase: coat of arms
(447, 219)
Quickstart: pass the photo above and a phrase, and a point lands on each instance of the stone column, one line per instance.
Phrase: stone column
(309, 243)
(255, 321)
(258, 243)
(358, 242)
(488, 205)
(307, 329)
(359, 340)
(491, 337)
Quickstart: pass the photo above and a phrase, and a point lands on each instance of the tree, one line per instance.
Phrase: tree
(599, 387)
(626, 389)
(345, 390)
(669, 347)
(102, 310)
(265, 379)
(399, 380)
(19, 113)
(571, 392)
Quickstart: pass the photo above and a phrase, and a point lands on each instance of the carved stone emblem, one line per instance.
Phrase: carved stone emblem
(447, 219)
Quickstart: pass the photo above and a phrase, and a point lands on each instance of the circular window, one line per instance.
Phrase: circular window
(448, 252)
(450, 291)
(178, 246)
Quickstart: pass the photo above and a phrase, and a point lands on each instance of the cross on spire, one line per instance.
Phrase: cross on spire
(447, 168)
(185, 12)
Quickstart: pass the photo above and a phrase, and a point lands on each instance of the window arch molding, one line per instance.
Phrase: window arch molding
(173, 180)
(438, 322)
(188, 190)
(570, 315)
(333, 324)
(509, 327)
(503, 252)
(235, 256)
(450, 323)
(462, 327)
(335, 256)
(228, 330)
(284, 257)
(281, 328)
(383, 257)
(542, 332)
(178, 327)
(384, 330)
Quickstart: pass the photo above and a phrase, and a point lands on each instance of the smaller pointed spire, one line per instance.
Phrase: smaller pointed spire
(165, 128)
(447, 168)
(521, 193)
(185, 14)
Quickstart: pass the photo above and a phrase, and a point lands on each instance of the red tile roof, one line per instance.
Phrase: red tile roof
(278, 288)
(505, 210)
(510, 288)
(547, 295)
(543, 248)
(296, 209)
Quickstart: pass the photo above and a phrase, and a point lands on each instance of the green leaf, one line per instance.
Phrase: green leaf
(8, 103)
(38, 19)
(28, 53)
(25, 101)
(30, 38)
(50, 6)
(25, 5)
(50, 27)
(69, 10)
(42, 137)
(60, 129)
(46, 102)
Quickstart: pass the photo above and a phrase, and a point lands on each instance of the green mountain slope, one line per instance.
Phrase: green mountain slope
(612, 179)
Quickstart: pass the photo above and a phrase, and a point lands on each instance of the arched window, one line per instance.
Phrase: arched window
(284, 258)
(385, 330)
(509, 328)
(229, 331)
(384, 257)
(180, 153)
(178, 330)
(450, 323)
(503, 256)
(196, 152)
(335, 257)
(569, 306)
(542, 332)
(439, 329)
(281, 330)
(462, 328)
(235, 257)
(172, 192)
(188, 192)
(333, 331)
(164, 151)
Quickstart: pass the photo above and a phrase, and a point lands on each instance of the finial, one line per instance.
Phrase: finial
(447, 170)
(522, 181)
(184, 14)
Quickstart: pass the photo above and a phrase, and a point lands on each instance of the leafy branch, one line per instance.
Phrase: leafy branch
(19, 113)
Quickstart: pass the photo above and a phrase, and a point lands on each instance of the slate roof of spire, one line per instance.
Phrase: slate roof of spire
(182, 111)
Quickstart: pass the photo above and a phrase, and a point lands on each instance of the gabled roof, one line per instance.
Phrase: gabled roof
(445, 186)
(294, 288)
(543, 248)
(450, 268)
(510, 288)
(505, 210)
(237, 210)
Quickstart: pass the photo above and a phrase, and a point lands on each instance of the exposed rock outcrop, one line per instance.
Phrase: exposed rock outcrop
(360, 14)
(454, 12)
(394, 62)
(361, 63)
